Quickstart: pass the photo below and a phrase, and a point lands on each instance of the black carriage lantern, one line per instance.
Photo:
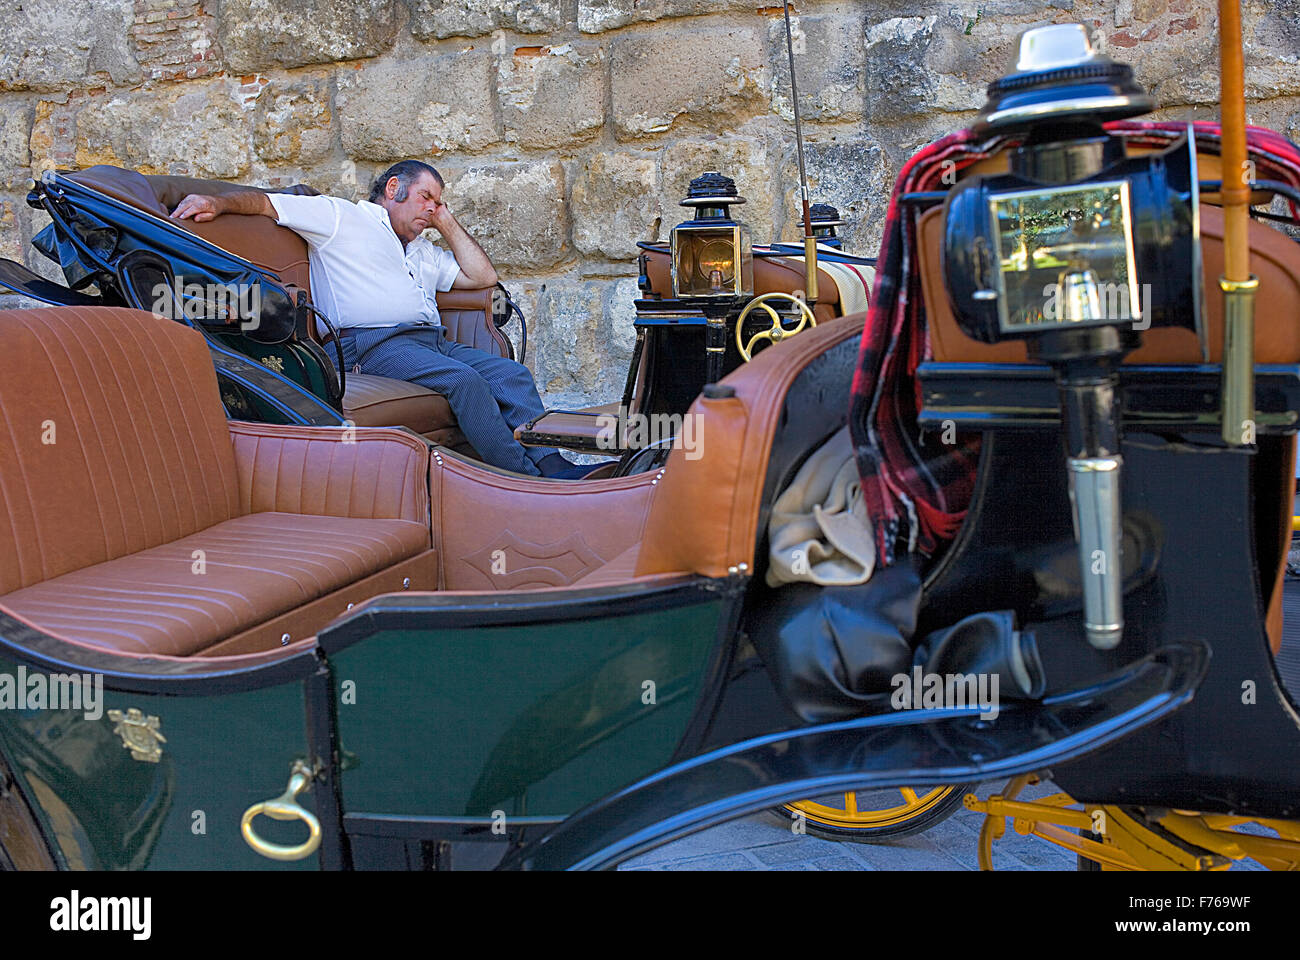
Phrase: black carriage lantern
(825, 218)
(1076, 250)
(712, 254)
(1077, 232)
(712, 261)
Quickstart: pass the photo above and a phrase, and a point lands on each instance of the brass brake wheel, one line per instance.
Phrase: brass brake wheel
(778, 331)
(873, 816)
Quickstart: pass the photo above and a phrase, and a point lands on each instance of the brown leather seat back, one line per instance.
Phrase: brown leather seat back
(170, 191)
(705, 514)
(278, 250)
(465, 313)
(124, 185)
(114, 439)
(499, 531)
(770, 276)
(260, 240)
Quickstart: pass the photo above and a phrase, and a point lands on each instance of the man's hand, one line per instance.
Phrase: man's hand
(204, 208)
(201, 208)
(442, 220)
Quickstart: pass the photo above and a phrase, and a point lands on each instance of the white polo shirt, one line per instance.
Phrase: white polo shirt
(360, 275)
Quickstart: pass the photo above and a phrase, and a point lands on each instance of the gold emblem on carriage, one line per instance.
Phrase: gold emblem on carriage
(273, 363)
(140, 734)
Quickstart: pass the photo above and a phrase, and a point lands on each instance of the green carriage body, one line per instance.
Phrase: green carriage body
(504, 724)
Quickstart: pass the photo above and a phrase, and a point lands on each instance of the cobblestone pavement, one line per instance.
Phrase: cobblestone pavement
(764, 842)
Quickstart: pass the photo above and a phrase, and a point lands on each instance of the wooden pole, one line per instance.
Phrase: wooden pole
(1237, 284)
(1236, 177)
(810, 241)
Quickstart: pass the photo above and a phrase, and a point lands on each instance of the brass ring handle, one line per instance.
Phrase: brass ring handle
(284, 807)
(777, 332)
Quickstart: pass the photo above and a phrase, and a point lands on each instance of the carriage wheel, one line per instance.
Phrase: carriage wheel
(875, 815)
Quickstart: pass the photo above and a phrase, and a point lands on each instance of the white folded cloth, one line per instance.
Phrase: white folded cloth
(820, 532)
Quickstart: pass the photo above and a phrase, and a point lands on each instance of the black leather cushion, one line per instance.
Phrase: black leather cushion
(832, 651)
(987, 644)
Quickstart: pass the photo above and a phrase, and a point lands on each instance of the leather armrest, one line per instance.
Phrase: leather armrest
(372, 473)
(705, 514)
(458, 299)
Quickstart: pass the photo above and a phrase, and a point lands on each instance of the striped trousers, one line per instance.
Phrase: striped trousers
(489, 395)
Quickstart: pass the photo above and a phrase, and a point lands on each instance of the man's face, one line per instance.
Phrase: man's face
(412, 216)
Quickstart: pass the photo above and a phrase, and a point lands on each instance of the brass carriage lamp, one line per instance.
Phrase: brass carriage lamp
(712, 254)
(712, 261)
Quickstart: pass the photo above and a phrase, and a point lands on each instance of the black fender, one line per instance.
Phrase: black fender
(917, 748)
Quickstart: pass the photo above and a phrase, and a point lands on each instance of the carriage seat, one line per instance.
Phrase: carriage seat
(370, 401)
(701, 516)
(142, 521)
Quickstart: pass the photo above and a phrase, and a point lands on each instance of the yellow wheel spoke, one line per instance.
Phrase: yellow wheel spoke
(872, 809)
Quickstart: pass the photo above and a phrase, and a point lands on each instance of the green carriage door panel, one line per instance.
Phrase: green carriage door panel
(528, 719)
(109, 810)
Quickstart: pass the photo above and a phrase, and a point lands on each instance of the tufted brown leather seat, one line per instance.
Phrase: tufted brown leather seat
(255, 569)
(140, 520)
(370, 401)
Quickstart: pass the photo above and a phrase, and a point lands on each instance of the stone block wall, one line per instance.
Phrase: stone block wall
(566, 129)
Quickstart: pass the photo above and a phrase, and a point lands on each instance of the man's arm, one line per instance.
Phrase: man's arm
(476, 269)
(204, 208)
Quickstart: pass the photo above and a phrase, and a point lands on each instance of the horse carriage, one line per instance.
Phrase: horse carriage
(275, 579)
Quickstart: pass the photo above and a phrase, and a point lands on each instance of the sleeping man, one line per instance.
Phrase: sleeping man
(376, 276)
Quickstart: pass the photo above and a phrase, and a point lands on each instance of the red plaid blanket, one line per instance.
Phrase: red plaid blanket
(916, 488)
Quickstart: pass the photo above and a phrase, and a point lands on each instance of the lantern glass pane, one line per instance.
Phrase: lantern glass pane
(1065, 257)
(705, 261)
